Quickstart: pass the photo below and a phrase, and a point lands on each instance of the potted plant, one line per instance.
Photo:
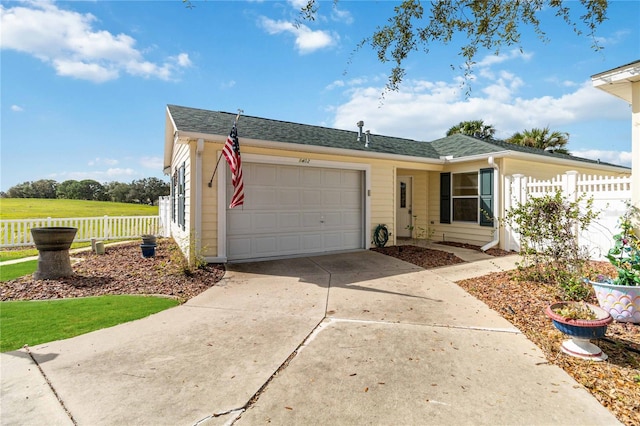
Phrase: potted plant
(581, 322)
(620, 296)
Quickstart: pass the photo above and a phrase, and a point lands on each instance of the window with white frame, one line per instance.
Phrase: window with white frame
(467, 197)
(464, 196)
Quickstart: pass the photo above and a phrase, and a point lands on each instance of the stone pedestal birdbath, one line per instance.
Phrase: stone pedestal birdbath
(53, 245)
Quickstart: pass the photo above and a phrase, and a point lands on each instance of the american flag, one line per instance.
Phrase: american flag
(231, 152)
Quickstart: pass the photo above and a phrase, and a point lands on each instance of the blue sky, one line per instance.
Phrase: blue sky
(84, 85)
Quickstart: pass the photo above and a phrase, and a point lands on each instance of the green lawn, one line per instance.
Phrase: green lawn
(35, 208)
(35, 322)
(10, 272)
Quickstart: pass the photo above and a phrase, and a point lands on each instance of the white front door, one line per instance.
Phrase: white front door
(403, 206)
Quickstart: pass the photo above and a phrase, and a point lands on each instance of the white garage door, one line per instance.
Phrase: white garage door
(292, 210)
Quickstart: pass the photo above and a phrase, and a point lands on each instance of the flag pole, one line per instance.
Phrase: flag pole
(240, 111)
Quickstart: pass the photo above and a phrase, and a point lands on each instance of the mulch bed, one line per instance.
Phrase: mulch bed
(496, 252)
(423, 257)
(121, 270)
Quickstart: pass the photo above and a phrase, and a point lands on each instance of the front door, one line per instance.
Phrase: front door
(403, 207)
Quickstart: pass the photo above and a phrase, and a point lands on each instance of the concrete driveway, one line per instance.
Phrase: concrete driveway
(357, 338)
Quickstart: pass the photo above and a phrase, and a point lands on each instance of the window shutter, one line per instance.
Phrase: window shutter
(486, 197)
(181, 197)
(445, 197)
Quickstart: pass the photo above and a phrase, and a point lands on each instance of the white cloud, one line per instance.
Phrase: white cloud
(306, 40)
(102, 161)
(491, 60)
(228, 85)
(622, 158)
(425, 110)
(16, 108)
(111, 174)
(343, 16)
(155, 163)
(70, 42)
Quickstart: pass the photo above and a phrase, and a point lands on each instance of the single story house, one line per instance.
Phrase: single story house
(311, 189)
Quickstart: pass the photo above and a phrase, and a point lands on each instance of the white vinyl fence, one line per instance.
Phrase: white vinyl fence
(16, 233)
(610, 197)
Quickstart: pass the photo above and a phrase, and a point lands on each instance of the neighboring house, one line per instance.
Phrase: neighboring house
(624, 83)
(311, 189)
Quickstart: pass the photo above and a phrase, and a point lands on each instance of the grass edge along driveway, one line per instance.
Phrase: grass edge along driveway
(26, 322)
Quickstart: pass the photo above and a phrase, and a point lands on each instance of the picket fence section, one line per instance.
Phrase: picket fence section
(610, 194)
(17, 232)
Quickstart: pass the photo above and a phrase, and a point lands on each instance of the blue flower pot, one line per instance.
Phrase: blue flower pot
(148, 250)
(580, 331)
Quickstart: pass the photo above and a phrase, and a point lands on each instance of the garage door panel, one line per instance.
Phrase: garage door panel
(239, 224)
(295, 210)
(352, 240)
(312, 220)
(265, 174)
(265, 198)
(312, 242)
(240, 247)
(350, 199)
(331, 198)
(289, 197)
(351, 178)
(289, 221)
(266, 245)
(352, 219)
(311, 198)
(332, 178)
(288, 174)
(310, 177)
(264, 222)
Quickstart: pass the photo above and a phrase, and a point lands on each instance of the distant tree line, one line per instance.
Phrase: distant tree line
(143, 191)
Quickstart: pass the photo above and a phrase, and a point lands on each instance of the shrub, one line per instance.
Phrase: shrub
(548, 228)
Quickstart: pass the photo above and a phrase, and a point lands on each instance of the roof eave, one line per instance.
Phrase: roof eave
(558, 160)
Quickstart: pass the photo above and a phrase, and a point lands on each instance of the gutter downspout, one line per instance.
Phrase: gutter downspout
(198, 195)
(496, 228)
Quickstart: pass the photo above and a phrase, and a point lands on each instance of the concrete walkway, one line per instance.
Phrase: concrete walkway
(357, 338)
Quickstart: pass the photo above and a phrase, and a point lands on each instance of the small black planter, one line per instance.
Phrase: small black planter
(148, 250)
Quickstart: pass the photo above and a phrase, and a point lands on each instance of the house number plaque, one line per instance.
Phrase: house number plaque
(304, 160)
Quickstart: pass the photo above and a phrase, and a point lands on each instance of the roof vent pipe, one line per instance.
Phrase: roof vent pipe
(367, 140)
(360, 125)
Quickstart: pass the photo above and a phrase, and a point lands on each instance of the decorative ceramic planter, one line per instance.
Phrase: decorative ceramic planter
(621, 301)
(581, 330)
(53, 245)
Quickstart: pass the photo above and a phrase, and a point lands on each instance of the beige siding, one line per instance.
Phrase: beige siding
(181, 154)
(209, 227)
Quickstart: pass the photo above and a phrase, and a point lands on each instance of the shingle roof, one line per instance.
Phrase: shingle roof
(219, 123)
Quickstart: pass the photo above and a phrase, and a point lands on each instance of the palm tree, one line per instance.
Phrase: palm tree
(542, 139)
(475, 128)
